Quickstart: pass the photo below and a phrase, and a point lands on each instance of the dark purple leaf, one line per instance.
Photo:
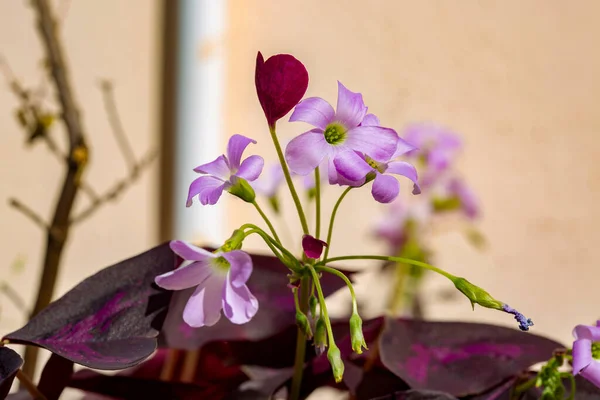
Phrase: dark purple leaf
(417, 395)
(459, 358)
(281, 81)
(111, 319)
(10, 363)
(276, 311)
(55, 376)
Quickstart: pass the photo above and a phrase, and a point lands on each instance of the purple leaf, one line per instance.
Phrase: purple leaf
(456, 357)
(10, 362)
(417, 395)
(281, 81)
(55, 376)
(111, 319)
(276, 310)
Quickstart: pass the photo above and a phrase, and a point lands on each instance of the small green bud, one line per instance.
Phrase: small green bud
(242, 189)
(234, 242)
(337, 365)
(303, 324)
(476, 294)
(311, 193)
(320, 340)
(312, 305)
(356, 334)
(274, 203)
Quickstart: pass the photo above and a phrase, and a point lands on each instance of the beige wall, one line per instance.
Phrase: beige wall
(118, 40)
(519, 80)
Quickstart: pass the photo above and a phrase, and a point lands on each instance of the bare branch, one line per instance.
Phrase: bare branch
(116, 125)
(14, 297)
(29, 213)
(118, 188)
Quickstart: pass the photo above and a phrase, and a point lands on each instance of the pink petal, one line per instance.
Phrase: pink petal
(582, 354)
(239, 305)
(376, 142)
(281, 82)
(251, 168)
(235, 148)
(241, 267)
(385, 188)
(592, 373)
(351, 108)
(184, 277)
(217, 168)
(351, 166)
(207, 188)
(332, 173)
(312, 246)
(305, 152)
(402, 148)
(587, 332)
(405, 169)
(314, 111)
(204, 306)
(188, 251)
(370, 120)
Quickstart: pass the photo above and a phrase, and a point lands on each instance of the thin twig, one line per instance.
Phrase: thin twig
(29, 213)
(117, 189)
(14, 297)
(30, 386)
(110, 106)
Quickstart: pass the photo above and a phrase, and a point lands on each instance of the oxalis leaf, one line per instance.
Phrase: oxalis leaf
(456, 357)
(276, 311)
(111, 319)
(10, 362)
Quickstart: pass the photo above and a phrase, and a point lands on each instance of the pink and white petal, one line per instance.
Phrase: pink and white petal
(251, 168)
(184, 277)
(235, 148)
(592, 373)
(405, 169)
(351, 166)
(370, 120)
(582, 354)
(241, 267)
(305, 152)
(207, 188)
(587, 332)
(376, 142)
(351, 109)
(402, 148)
(314, 111)
(204, 305)
(385, 188)
(218, 168)
(239, 305)
(188, 251)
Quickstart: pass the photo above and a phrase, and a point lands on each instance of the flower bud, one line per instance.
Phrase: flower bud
(320, 340)
(476, 294)
(234, 242)
(303, 324)
(312, 305)
(274, 203)
(242, 189)
(337, 365)
(356, 334)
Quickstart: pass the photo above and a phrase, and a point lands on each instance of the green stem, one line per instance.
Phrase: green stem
(264, 216)
(332, 220)
(317, 284)
(396, 259)
(272, 243)
(300, 342)
(346, 280)
(573, 384)
(288, 179)
(318, 202)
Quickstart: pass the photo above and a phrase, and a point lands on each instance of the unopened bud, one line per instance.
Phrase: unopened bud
(234, 242)
(320, 340)
(356, 334)
(476, 294)
(312, 305)
(242, 189)
(337, 365)
(303, 324)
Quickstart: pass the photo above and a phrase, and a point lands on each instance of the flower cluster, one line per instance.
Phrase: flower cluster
(352, 148)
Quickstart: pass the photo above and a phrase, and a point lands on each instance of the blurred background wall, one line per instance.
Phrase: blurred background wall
(518, 80)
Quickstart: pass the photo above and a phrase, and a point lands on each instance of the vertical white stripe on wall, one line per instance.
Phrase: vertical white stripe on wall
(199, 114)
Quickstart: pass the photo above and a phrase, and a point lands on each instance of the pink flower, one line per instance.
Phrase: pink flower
(586, 352)
(220, 280)
(312, 246)
(281, 81)
(224, 172)
(337, 132)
